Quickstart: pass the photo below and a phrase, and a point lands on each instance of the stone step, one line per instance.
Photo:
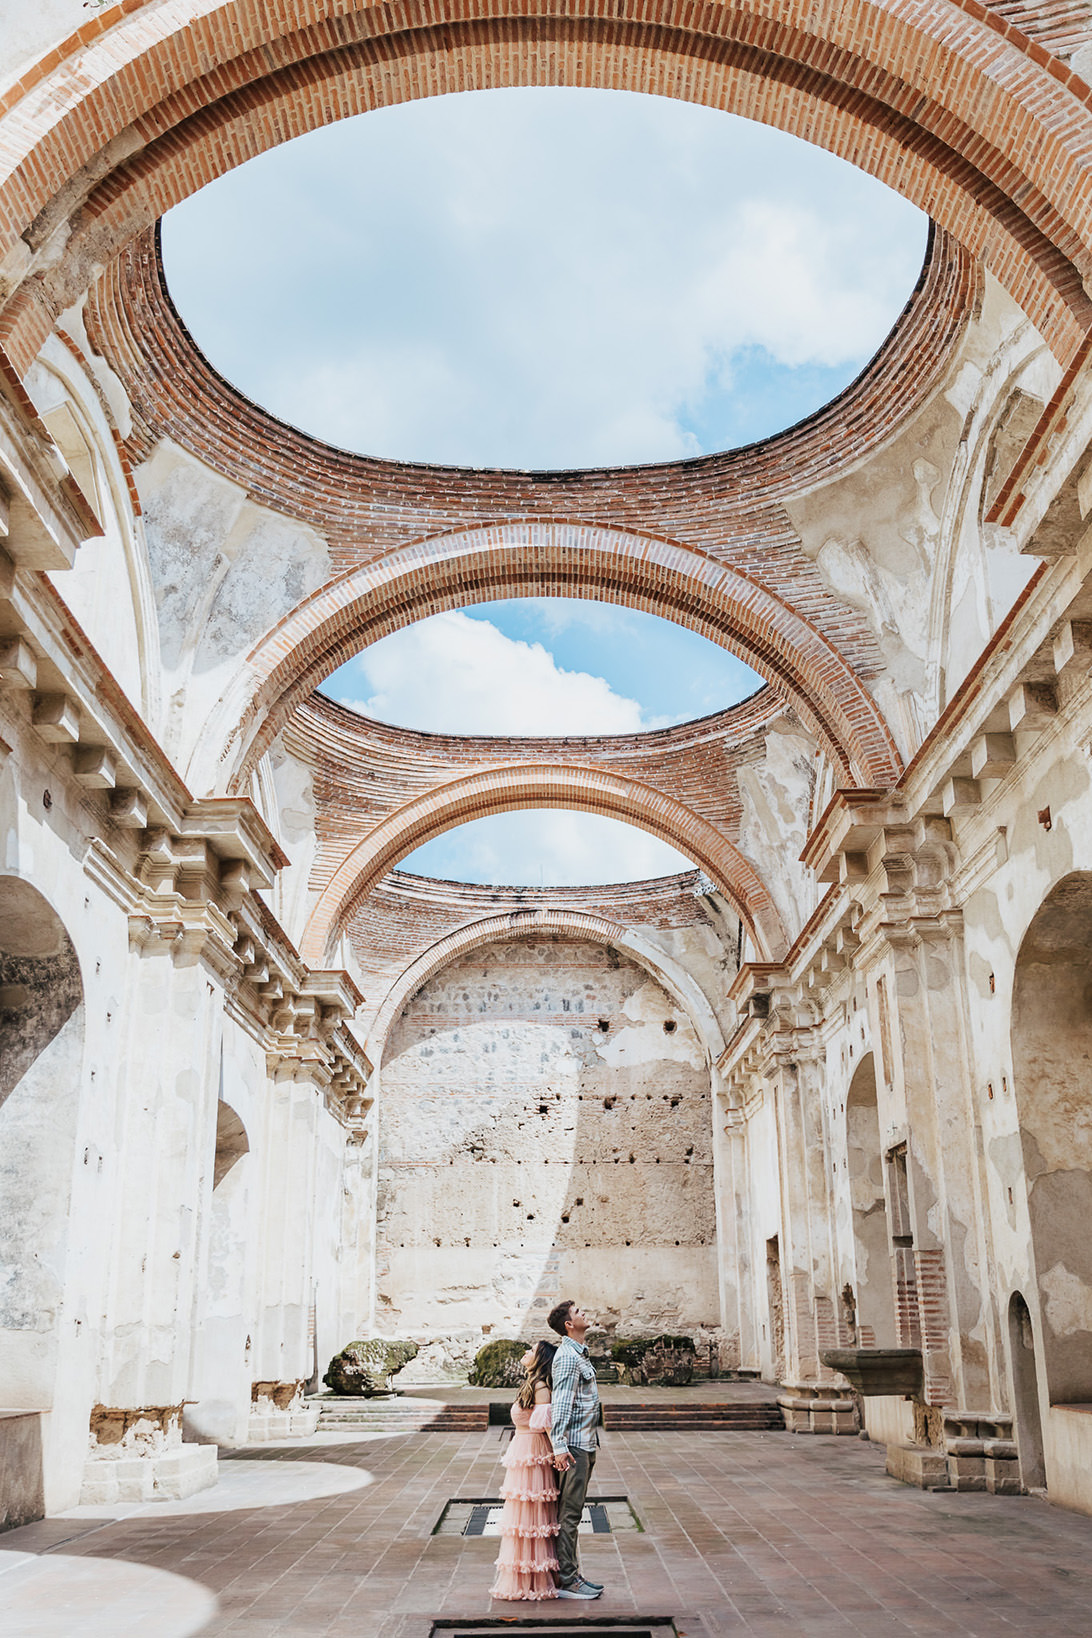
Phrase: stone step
(411, 1417)
(693, 1418)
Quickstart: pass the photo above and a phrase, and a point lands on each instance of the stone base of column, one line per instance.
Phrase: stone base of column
(809, 1409)
(919, 1465)
(22, 1496)
(278, 1410)
(137, 1455)
(981, 1453)
(978, 1453)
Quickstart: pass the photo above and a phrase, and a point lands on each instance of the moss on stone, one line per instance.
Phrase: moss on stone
(666, 1360)
(497, 1365)
(365, 1368)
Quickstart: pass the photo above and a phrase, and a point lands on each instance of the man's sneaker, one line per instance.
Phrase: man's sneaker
(598, 1585)
(579, 1589)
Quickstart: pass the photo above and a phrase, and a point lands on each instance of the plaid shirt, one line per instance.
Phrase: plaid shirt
(575, 1401)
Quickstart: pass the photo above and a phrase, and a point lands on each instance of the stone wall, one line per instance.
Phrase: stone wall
(545, 1130)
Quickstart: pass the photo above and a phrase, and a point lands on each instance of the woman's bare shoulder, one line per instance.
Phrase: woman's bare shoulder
(542, 1394)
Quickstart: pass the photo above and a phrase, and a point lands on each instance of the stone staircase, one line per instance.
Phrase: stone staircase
(406, 1415)
(693, 1417)
(397, 1415)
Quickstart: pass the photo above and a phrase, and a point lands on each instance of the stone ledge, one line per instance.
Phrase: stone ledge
(266, 1427)
(810, 1413)
(169, 1475)
(913, 1464)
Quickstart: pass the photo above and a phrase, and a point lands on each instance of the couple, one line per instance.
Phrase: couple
(556, 1414)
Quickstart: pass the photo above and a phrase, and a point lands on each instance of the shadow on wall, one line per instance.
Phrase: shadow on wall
(40, 984)
(41, 1050)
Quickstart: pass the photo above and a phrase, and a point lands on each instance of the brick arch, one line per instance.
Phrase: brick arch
(579, 924)
(543, 785)
(547, 560)
(950, 104)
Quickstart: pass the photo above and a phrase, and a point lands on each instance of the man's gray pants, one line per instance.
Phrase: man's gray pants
(572, 1489)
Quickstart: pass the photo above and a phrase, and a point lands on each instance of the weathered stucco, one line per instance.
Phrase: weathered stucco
(546, 1124)
(261, 1092)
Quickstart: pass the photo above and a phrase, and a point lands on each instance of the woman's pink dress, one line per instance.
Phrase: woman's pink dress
(527, 1562)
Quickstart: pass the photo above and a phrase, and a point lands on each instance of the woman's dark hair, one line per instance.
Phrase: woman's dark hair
(538, 1372)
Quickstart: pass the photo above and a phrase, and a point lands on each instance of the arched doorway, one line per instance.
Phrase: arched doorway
(41, 1024)
(1051, 1057)
(1027, 1413)
(873, 1288)
(220, 1407)
(41, 1033)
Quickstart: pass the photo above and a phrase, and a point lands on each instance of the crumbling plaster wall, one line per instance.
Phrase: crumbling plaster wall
(541, 1133)
(1031, 1051)
(900, 536)
(108, 587)
(776, 791)
(224, 571)
(283, 790)
(127, 1282)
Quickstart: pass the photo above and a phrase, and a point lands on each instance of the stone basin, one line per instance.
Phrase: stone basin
(876, 1371)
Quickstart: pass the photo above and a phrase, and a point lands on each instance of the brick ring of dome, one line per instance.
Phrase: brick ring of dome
(816, 649)
(702, 502)
(365, 773)
(714, 517)
(502, 789)
(967, 117)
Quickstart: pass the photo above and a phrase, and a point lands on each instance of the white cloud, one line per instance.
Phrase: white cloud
(540, 278)
(454, 674)
(546, 847)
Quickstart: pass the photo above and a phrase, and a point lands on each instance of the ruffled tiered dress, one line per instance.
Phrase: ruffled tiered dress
(527, 1562)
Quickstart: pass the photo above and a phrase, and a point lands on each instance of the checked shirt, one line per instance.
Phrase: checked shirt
(575, 1399)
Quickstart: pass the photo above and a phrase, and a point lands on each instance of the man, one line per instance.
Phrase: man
(574, 1438)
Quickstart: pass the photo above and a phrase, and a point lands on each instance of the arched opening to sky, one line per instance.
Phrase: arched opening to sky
(541, 666)
(542, 278)
(545, 847)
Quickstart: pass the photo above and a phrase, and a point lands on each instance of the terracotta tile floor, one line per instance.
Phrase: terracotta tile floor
(743, 1533)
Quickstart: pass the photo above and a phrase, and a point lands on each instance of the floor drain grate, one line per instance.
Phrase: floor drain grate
(602, 1516)
(576, 1627)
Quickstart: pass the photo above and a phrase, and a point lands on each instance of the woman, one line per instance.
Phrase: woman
(527, 1562)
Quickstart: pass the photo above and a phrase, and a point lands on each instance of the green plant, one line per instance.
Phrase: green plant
(497, 1365)
(632, 1351)
(366, 1367)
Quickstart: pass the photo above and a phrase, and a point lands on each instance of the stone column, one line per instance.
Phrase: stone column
(736, 1273)
(810, 1399)
(955, 1321)
(945, 1274)
(281, 1358)
(161, 1158)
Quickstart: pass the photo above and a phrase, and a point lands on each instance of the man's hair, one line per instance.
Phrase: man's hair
(558, 1318)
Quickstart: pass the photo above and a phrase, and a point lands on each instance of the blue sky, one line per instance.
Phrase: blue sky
(542, 666)
(542, 278)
